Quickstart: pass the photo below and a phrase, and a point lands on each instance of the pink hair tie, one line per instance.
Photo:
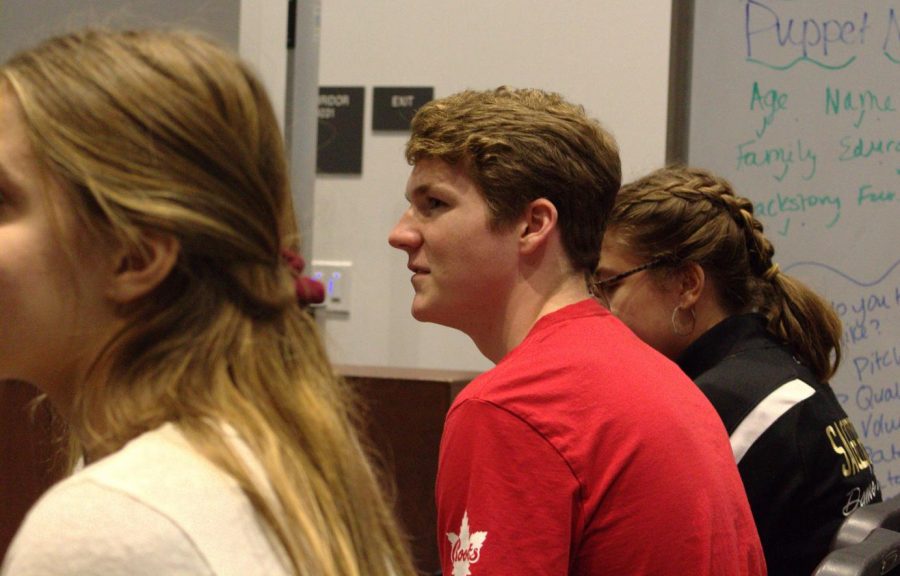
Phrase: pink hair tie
(308, 291)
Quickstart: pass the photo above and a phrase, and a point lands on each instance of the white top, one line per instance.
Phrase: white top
(154, 507)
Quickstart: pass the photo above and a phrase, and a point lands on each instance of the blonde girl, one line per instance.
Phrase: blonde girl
(144, 209)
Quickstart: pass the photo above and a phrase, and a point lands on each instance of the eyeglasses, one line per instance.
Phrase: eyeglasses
(603, 288)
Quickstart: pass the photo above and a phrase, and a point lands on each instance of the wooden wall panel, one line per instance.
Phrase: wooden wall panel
(405, 416)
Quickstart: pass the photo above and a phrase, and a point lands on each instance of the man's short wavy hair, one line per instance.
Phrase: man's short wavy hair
(519, 145)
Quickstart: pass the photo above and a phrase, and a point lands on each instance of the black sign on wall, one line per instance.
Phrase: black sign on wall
(393, 108)
(340, 138)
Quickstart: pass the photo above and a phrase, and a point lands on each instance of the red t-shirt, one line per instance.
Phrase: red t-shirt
(586, 452)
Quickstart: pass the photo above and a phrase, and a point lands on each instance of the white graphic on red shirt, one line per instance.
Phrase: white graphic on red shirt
(466, 548)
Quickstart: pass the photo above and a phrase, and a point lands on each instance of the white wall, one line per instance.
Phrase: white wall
(24, 23)
(609, 55)
(262, 41)
(256, 28)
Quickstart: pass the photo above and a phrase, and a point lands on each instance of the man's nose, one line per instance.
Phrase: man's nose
(404, 236)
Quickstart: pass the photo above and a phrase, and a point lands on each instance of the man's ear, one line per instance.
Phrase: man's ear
(692, 281)
(139, 272)
(539, 221)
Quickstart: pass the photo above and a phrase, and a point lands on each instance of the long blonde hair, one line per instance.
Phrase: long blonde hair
(168, 133)
(684, 214)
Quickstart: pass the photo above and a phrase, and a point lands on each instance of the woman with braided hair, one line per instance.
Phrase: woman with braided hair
(685, 264)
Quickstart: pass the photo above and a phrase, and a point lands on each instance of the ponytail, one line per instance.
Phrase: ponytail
(795, 313)
(804, 320)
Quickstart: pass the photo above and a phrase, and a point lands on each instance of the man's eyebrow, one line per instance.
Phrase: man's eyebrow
(417, 191)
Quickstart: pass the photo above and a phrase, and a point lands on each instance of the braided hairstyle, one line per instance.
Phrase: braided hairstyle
(687, 214)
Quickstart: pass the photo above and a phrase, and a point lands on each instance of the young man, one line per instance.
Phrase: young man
(583, 451)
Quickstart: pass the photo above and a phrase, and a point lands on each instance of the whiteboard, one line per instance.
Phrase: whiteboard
(797, 102)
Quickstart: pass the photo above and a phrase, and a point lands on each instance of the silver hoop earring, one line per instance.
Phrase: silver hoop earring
(680, 331)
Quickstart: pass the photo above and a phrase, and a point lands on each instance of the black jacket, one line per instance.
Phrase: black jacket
(801, 461)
